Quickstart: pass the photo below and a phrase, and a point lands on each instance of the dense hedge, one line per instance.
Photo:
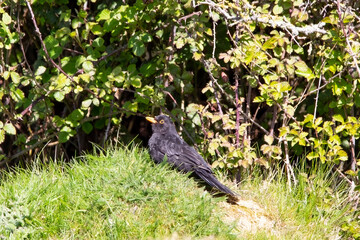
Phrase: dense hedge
(283, 74)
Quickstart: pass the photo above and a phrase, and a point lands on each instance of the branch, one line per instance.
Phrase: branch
(28, 109)
(184, 18)
(22, 152)
(284, 24)
(121, 48)
(274, 21)
(237, 106)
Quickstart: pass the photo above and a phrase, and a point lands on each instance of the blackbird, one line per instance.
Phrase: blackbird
(165, 141)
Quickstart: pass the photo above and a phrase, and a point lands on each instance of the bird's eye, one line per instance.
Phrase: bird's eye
(161, 121)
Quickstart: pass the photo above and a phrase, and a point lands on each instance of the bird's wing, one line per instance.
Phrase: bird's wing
(181, 155)
(187, 159)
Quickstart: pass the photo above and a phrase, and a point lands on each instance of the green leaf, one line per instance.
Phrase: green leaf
(65, 134)
(145, 37)
(131, 106)
(64, 137)
(298, 49)
(10, 129)
(277, 9)
(62, 81)
(59, 96)
(52, 46)
(131, 68)
(340, 128)
(86, 103)
(96, 29)
(88, 66)
(312, 155)
(76, 115)
(15, 77)
(258, 99)
(135, 81)
(179, 43)
(40, 70)
(17, 95)
(6, 18)
(342, 155)
(96, 102)
(339, 118)
(76, 23)
(148, 69)
(87, 127)
(303, 70)
(197, 56)
(98, 42)
(2, 135)
(270, 44)
(289, 110)
(138, 48)
(103, 15)
(215, 16)
(116, 71)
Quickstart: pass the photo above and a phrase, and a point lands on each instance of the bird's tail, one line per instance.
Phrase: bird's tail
(210, 179)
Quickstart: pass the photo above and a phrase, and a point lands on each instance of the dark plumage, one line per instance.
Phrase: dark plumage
(166, 141)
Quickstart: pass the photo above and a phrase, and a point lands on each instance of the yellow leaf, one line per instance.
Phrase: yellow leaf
(197, 56)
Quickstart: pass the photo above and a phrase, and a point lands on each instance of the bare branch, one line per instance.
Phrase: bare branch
(272, 20)
(184, 18)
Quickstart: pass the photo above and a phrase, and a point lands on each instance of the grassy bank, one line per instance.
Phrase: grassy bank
(117, 195)
(121, 194)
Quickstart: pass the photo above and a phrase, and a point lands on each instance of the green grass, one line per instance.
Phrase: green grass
(122, 194)
(315, 208)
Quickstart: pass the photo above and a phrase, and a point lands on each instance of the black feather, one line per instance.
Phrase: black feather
(166, 141)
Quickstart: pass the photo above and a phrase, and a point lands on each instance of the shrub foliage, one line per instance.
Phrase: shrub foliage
(283, 74)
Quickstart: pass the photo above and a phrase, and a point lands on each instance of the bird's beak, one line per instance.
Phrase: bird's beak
(151, 119)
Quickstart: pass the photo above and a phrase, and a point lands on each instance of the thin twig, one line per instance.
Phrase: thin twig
(171, 96)
(248, 110)
(20, 40)
(317, 99)
(109, 122)
(116, 51)
(33, 103)
(290, 171)
(237, 106)
(273, 121)
(184, 18)
(214, 39)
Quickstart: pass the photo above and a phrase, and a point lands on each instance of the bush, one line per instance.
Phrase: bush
(282, 74)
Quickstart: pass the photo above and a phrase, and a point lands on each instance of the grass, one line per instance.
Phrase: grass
(315, 208)
(121, 194)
